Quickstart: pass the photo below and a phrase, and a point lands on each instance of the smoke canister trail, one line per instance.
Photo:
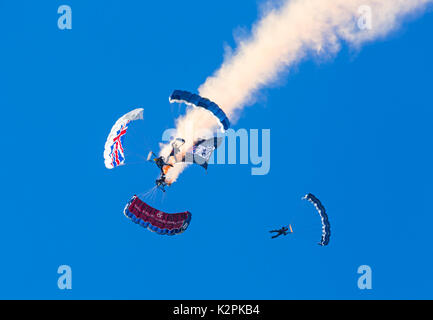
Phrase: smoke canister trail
(286, 34)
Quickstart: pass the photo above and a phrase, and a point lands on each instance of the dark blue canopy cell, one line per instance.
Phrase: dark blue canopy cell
(200, 102)
(326, 227)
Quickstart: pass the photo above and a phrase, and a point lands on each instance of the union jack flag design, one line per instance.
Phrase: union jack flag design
(114, 154)
(117, 154)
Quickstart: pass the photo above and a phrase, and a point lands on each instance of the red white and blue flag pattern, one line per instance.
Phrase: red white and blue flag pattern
(117, 154)
(114, 153)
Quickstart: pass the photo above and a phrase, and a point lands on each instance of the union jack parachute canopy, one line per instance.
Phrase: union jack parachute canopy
(114, 154)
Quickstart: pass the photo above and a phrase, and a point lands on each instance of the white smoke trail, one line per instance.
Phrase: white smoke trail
(286, 34)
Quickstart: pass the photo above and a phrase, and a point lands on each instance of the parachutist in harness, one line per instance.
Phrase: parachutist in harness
(159, 161)
(161, 183)
(282, 231)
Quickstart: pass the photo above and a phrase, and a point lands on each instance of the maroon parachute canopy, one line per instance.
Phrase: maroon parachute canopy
(155, 220)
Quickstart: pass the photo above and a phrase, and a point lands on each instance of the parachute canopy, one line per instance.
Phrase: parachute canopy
(114, 154)
(326, 227)
(197, 101)
(155, 220)
(201, 151)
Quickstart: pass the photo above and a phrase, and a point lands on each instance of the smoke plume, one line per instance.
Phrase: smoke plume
(287, 33)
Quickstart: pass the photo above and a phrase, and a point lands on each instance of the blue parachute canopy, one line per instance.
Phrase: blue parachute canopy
(326, 227)
(197, 101)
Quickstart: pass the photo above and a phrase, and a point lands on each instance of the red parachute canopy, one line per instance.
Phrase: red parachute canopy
(156, 221)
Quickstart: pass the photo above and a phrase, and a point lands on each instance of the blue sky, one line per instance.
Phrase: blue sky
(354, 130)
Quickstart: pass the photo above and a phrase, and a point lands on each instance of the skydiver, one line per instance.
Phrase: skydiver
(161, 183)
(160, 162)
(282, 231)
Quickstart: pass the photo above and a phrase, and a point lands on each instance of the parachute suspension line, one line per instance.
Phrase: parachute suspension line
(163, 196)
(134, 163)
(171, 110)
(153, 194)
(139, 155)
(148, 194)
